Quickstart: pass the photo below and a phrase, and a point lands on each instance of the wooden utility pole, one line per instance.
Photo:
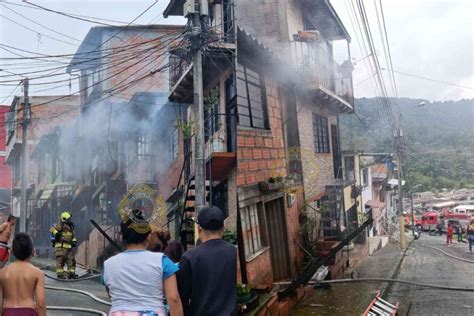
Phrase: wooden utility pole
(24, 157)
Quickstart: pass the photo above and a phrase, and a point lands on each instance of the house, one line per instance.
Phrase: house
(5, 171)
(128, 132)
(276, 133)
(47, 113)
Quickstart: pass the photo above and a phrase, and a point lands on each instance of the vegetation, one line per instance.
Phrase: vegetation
(439, 139)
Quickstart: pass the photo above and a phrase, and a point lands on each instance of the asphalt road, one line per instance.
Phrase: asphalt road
(61, 298)
(426, 265)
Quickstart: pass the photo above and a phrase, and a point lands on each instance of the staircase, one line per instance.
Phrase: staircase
(333, 209)
(187, 224)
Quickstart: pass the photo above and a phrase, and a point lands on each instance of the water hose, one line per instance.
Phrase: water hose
(72, 280)
(76, 309)
(448, 254)
(362, 280)
(92, 296)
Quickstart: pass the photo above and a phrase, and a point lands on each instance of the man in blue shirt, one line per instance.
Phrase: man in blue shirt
(207, 276)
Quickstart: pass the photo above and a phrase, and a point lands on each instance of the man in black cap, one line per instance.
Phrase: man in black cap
(207, 275)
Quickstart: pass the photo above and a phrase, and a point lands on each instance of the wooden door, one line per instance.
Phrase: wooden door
(277, 238)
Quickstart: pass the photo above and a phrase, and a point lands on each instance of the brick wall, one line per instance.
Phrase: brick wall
(148, 57)
(260, 18)
(293, 232)
(259, 272)
(261, 153)
(317, 168)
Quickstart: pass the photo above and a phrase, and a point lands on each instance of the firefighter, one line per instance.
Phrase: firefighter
(63, 240)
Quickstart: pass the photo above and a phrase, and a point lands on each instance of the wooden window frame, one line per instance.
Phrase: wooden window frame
(321, 134)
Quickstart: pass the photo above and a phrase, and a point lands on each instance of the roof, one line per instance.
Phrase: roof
(91, 45)
(175, 7)
(379, 171)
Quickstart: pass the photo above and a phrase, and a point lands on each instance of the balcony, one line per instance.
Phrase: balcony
(322, 74)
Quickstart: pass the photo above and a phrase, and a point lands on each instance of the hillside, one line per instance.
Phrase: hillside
(439, 138)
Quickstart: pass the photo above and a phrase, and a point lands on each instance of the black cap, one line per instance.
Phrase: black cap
(210, 218)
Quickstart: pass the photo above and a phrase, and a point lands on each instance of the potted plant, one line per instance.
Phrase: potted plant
(247, 299)
(272, 184)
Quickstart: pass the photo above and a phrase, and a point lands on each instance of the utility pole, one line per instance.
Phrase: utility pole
(196, 12)
(412, 216)
(24, 156)
(401, 218)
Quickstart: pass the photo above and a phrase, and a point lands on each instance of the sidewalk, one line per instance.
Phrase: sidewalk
(353, 298)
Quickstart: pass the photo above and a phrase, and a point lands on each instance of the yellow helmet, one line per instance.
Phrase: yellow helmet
(65, 216)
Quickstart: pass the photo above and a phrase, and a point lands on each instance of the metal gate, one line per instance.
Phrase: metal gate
(277, 238)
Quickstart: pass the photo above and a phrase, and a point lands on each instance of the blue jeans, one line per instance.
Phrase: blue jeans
(470, 239)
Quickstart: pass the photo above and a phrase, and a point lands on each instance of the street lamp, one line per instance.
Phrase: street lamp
(413, 209)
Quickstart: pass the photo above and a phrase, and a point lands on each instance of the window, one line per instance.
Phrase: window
(349, 168)
(56, 167)
(365, 177)
(143, 146)
(174, 143)
(251, 229)
(251, 98)
(211, 113)
(321, 134)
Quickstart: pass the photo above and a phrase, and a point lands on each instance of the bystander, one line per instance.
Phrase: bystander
(208, 274)
(21, 284)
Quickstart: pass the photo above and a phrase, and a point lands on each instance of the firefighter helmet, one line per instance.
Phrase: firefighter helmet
(65, 216)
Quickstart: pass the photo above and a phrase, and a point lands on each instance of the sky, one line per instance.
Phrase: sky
(427, 38)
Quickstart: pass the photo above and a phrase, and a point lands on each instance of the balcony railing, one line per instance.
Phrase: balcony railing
(320, 68)
(178, 66)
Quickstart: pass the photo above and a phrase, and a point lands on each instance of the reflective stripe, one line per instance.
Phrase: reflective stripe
(62, 245)
(59, 270)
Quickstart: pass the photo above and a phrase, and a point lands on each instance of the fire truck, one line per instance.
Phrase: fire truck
(429, 220)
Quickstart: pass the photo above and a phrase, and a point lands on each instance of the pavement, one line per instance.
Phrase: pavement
(427, 265)
(353, 298)
(67, 299)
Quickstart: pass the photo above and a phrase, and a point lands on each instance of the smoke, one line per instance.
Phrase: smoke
(104, 138)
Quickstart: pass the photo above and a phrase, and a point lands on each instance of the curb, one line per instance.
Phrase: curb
(385, 287)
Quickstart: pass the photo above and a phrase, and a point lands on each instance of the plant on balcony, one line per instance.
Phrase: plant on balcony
(186, 128)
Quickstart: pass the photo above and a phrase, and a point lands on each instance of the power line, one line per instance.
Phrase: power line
(429, 79)
(71, 15)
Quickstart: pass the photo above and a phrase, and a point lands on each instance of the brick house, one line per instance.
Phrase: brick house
(127, 133)
(45, 118)
(289, 92)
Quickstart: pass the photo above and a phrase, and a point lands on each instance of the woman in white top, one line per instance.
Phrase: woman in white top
(139, 280)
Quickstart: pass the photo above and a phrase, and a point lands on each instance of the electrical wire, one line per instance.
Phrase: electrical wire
(71, 15)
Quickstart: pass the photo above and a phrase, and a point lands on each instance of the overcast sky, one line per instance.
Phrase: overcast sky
(431, 38)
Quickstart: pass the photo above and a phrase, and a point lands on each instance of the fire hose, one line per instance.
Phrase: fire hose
(92, 296)
(72, 280)
(362, 280)
(448, 254)
(76, 309)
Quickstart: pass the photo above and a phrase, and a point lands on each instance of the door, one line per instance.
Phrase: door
(277, 238)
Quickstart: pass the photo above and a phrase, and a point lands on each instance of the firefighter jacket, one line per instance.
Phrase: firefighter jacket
(63, 236)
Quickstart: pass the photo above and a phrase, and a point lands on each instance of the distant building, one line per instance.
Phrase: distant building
(5, 170)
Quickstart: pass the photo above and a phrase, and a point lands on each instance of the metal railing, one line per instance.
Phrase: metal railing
(178, 66)
(320, 68)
